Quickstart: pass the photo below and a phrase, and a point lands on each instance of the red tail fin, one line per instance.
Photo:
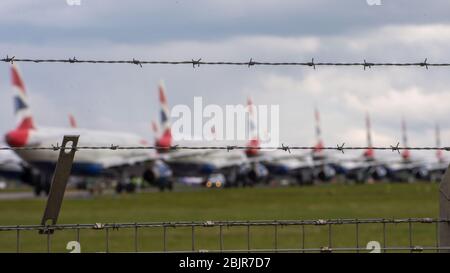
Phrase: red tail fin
(26, 124)
(406, 154)
(253, 149)
(72, 121)
(318, 148)
(254, 142)
(164, 142)
(21, 106)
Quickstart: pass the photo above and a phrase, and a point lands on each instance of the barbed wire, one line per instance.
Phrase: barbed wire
(342, 148)
(197, 62)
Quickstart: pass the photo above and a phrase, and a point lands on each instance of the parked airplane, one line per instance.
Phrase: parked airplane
(11, 166)
(326, 165)
(294, 167)
(437, 169)
(407, 168)
(212, 168)
(365, 167)
(119, 164)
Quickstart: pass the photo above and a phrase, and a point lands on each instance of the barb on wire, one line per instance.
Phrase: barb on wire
(396, 147)
(229, 148)
(251, 62)
(366, 64)
(9, 60)
(114, 147)
(340, 148)
(312, 64)
(285, 148)
(425, 63)
(196, 63)
(73, 60)
(137, 62)
(57, 147)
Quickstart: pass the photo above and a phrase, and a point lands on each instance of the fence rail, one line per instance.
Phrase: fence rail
(249, 232)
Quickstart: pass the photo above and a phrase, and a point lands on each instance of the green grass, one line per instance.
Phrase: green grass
(318, 202)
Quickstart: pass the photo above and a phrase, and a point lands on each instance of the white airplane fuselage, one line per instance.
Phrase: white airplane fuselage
(86, 162)
(10, 165)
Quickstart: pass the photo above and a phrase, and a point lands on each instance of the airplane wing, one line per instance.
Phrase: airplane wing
(218, 158)
(120, 161)
(277, 156)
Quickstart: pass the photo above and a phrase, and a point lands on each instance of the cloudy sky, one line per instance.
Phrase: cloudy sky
(123, 97)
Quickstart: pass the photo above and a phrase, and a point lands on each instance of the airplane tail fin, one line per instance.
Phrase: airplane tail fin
(318, 148)
(406, 154)
(369, 152)
(165, 140)
(72, 121)
(21, 104)
(213, 132)
(254, 141)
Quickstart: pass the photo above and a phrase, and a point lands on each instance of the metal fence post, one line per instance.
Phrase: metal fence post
(59, 182)
(444, 211)
(221, 238)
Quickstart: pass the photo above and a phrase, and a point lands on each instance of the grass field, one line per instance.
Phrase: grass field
(318, 202)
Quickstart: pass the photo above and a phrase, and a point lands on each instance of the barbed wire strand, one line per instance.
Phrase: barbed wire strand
(341, 148)
(197, 62)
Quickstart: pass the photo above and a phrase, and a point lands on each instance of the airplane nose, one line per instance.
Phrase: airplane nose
(17, 138)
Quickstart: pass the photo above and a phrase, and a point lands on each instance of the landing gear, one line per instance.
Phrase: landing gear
(253, 176)
(258, 174)
(125, 187)
(39, 181)
(159, 175)
(305, 177)
(361, 177)
(325, 173)
(42, 183)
